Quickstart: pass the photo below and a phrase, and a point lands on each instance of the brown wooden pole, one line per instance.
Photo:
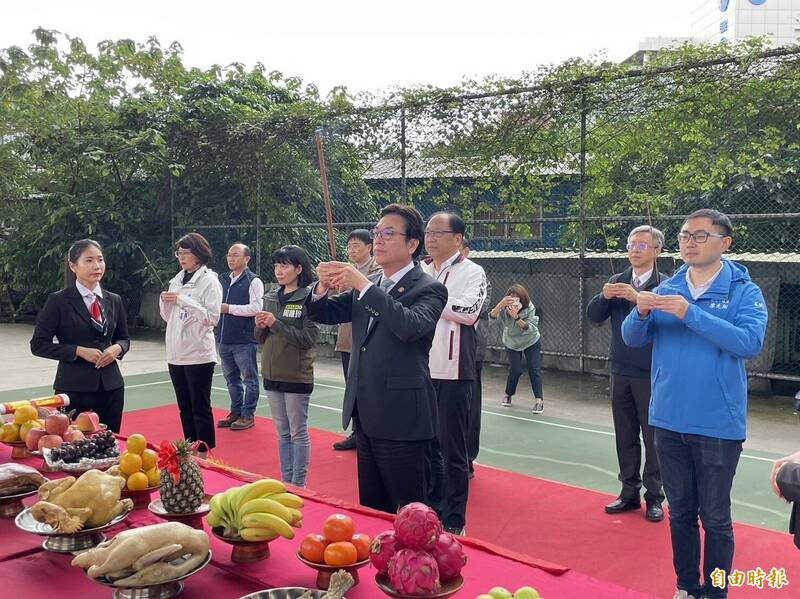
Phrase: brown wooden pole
(326, 195)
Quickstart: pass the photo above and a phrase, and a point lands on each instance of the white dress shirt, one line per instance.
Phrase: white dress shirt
(88, 295)
(638, 281)
(256, 296)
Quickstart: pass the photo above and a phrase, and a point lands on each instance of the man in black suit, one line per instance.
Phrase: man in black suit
(630, 375)
(90, 325)
(389, 393)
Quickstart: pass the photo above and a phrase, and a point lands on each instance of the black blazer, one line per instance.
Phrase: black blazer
(389, 381)
(65, 317)
(789, 484)
(625, 360)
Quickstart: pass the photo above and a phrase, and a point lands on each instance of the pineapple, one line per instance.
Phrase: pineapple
(181, 481)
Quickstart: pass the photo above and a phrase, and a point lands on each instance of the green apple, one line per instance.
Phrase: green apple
(527, 593)
(500, 593)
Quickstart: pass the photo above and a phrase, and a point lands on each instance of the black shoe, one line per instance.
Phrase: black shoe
(655, 513)
(345, 444)
(458, 532)
(623, 505)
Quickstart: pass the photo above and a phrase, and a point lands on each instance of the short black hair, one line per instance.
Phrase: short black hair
(717, 218)
(361, 235)
(415, 229)
(456, 223)
(296, 256)
(197, 244)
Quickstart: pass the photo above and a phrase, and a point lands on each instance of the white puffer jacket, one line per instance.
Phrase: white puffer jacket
(192, 318)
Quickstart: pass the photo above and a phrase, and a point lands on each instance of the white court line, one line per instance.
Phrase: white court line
(498, 414)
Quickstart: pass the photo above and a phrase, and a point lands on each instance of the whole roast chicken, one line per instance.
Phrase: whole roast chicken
(146, 556)
(68, 505)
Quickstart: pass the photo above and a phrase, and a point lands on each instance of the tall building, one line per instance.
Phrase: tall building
(714, 21)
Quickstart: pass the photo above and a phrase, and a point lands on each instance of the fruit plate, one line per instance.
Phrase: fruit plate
(163, 590)
(140, 498)
(244, 552)
(193, 519)
(65, 543)
(79, 467)
(324, 571)
(448, 588)
(286, 593)
(11, 505)
(18, 449)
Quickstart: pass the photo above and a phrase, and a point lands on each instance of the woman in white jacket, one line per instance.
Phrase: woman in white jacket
(191, 309)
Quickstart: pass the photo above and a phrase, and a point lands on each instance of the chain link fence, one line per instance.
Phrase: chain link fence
(551, 177)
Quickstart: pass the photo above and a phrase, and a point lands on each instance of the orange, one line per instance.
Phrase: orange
(137, 482)
(130, 463)
(153, 477)
(341, 554)
(338, 527)
(149, 459)
(25, 413)
(313, 548)
(136, 443)
(362, 543)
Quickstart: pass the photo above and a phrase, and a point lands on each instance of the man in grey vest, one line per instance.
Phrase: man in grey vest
(242, 293)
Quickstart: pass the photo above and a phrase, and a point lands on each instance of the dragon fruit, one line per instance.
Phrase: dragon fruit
(414, 572)
(417, 526)
(382, 549)
(450, 556)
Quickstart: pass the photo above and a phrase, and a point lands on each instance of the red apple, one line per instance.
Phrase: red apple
(88, 422)
(72, 435)
(32, 438)
(45, 412)
(50, 441)
(56, 424)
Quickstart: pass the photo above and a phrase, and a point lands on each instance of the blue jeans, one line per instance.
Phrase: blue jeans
(240, 367)
(697, 473)
(290, 415)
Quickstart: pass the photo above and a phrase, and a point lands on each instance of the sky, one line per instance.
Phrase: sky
(364, 46)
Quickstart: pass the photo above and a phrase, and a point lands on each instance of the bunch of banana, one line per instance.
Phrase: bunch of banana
(259, 511)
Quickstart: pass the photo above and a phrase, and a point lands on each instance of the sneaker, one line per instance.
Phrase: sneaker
(681, 594)
(346, 444)
(538, 406)
(228, 420)
(242, 424)
(506, 401)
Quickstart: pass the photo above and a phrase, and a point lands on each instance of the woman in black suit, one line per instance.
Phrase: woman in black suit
(90, 325)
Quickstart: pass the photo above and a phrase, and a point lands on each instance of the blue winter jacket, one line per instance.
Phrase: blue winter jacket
(698, 376)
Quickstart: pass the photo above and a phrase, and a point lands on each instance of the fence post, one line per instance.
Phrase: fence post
(582, 231)
(403, 190)
(171, 208)
(258, 228)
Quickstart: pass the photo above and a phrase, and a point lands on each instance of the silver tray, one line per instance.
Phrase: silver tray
(162, 590)
(11, 505)
(65, 543)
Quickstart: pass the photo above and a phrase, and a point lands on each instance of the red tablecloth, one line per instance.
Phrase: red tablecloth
(24, 565)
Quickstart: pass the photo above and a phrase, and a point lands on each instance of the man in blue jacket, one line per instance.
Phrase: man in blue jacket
(704, 323)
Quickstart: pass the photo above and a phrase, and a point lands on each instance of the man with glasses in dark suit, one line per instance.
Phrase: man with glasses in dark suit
(389, 394)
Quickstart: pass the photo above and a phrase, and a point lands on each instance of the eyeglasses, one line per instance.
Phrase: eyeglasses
(641, 245)
(386, 234)
(180, 254)
(436, 234)
(698, 236)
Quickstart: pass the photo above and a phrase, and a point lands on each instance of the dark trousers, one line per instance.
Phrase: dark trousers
(698, 475)
(630, 404)
(533, 359)
(474, 428)
(449, 452)
(391, 474)
(192, 384)
(108, 403)
(345, 370)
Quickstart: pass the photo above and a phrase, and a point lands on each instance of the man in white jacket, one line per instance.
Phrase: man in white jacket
(452, 363)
